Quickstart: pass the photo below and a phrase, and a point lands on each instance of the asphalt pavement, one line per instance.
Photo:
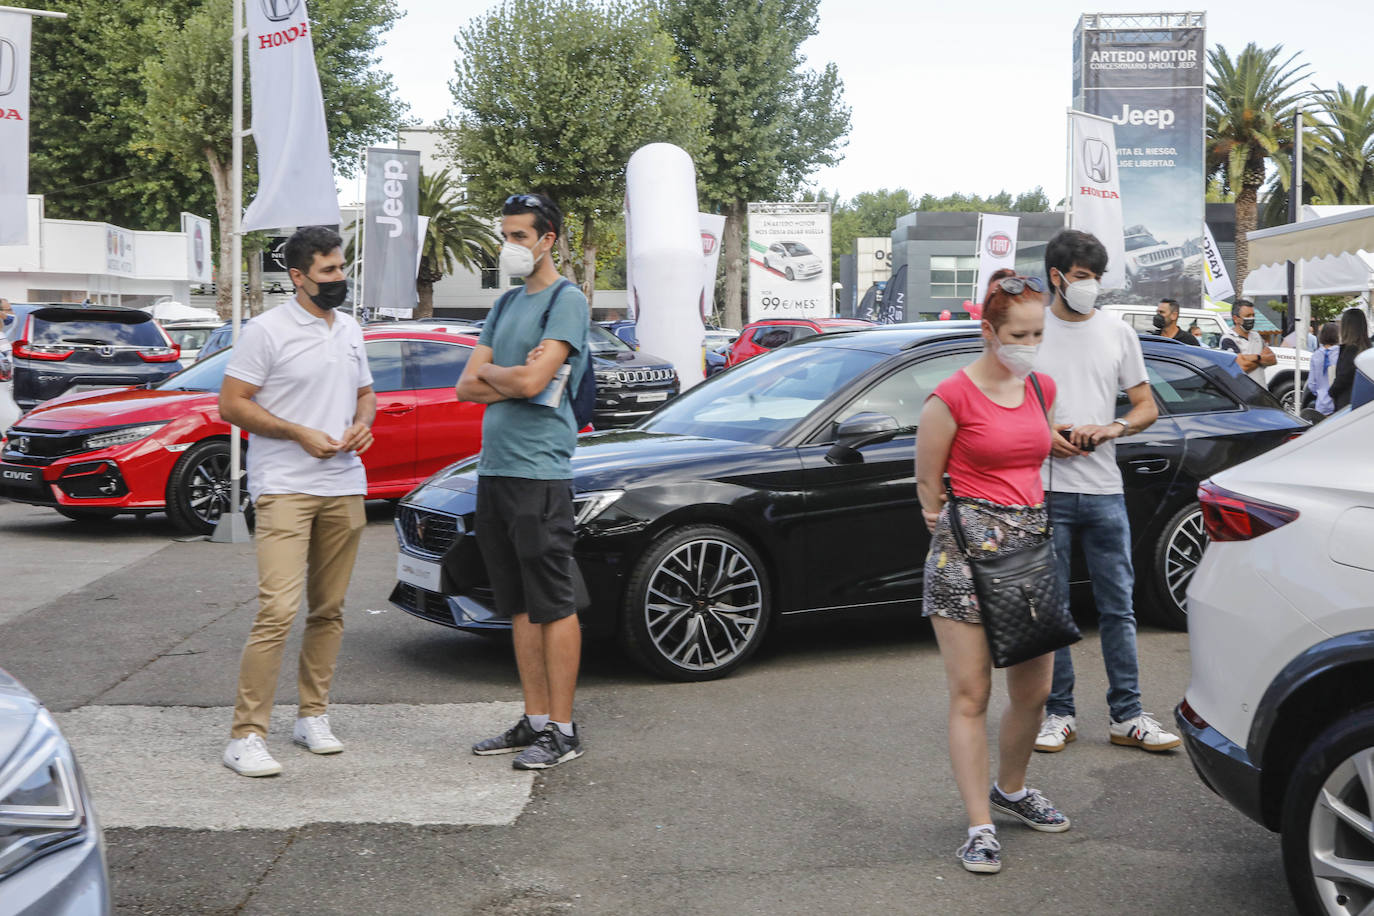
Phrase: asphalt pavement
(813, 781)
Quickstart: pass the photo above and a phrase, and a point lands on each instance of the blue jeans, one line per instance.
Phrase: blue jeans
(1099, 524)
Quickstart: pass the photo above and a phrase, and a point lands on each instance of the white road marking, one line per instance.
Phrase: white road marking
(159, 766)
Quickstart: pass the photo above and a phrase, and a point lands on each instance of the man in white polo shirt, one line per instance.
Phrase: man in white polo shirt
(298, 382)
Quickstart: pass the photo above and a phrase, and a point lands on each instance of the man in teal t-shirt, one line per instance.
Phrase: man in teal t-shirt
(524, 496)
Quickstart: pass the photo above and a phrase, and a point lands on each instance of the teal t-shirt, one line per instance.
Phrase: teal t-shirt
(521, 439)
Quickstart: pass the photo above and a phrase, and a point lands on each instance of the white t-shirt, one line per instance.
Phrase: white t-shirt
(1090, 361)
(307, 372)
(1253, 346)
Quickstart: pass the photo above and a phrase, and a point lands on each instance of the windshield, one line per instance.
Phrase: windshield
(203, 375)
(604, 343)
(1139, 241)
(764, 396)
(96, 332)
(188, 338)
(795, 249)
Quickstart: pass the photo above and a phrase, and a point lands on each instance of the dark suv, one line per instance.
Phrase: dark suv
(630, 384)
(61, 348)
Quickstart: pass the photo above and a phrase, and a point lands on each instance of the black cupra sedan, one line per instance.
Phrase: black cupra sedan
(785, 486)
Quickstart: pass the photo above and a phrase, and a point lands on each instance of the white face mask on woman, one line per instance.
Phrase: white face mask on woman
(1018, 358)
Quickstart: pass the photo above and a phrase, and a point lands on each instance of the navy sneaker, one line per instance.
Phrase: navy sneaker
(982, 853)
(516, 738)
(1034, 810)
(549, 749)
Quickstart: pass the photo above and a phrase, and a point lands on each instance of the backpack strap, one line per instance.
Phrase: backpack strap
(563, 284)
(496, 309)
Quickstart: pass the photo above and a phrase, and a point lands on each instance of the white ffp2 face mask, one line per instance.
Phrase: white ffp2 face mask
(517, 260)
(1082, 295)
(1018, 358)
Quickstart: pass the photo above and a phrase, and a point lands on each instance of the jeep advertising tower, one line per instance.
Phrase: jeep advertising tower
(1147, 73)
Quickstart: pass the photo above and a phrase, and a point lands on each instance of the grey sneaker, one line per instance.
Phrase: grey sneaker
(982, 853)
(551, 748)
(516, 738)
(1034, 810)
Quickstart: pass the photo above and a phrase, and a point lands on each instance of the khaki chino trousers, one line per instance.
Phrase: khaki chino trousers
(304, 544)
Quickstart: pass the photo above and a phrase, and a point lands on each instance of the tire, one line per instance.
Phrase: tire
(1285, 394)
(1326, 780)
(198, 488)
(85, 515)
(788, 274)
(696, 633)
(1175, 558)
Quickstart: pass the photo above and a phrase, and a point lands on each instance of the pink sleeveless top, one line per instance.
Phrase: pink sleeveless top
(997, 451)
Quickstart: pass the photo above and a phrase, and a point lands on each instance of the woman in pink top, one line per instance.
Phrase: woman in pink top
(985, 428)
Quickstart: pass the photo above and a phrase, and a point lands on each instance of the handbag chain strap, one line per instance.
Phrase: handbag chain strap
(957, 527)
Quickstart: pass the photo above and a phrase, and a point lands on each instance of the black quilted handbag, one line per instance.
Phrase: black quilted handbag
(1024, 611)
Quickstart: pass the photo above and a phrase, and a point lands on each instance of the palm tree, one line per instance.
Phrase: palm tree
(1250, 106)
(456, 236)
(1338, 154)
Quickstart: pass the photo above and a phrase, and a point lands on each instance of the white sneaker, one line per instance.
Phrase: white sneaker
(313, 734)
(249, 757)
(1055, 732)
(1144, 732)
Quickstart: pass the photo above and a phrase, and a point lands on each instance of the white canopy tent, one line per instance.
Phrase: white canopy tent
(1335, 274)
(171, 310)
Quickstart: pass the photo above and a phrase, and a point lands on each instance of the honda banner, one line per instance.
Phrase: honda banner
(1216, 279)
(789, 260)
(1147, 73)
(199, 264)
(996, 248)
(295, 172)
(390, 228)
(1094, 189)
(14, 128)
(712, 227)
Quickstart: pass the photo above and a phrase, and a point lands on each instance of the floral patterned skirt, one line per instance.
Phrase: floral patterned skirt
(987, 526)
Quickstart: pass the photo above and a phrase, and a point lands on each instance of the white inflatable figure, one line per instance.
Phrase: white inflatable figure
(664, 257)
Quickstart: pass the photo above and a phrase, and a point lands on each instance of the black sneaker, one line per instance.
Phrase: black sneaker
(551, 748)
(1034, 810)
(516, 738)
(982, 854)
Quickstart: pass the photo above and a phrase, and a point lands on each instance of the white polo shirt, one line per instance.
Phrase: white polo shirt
(307, 373)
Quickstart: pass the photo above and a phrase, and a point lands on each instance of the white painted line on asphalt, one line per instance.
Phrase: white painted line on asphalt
(159, 766)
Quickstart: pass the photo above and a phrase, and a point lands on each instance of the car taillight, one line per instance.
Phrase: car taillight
(160, 354)
(1230, 516)
(26, 350)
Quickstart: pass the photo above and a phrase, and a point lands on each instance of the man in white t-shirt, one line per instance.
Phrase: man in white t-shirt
(1091, 356)
(298, 382)
(1252, 353)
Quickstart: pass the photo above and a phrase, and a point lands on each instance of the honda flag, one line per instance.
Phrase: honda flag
(996, 248)
(1095, 190)
(1215, 276)
(14, 128)
(391, 233)
(295, 173)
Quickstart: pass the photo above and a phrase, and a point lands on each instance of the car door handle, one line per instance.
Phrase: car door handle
(1150, 465)
(395, 410)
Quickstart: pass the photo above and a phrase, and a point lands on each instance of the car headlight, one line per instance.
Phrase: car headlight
(587, 506)
(605, 377)
(120, 436)
(41, 806)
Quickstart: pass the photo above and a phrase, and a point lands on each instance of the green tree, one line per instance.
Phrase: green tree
(1342, 154)
(772, 123)
(188, 95)
(867, 215)
(554, 97)
(1250, 105)
(456, 236)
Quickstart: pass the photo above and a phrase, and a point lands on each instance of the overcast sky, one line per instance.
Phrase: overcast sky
(946, 96)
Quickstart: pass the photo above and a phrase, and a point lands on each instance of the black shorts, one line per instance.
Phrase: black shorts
(525, 530)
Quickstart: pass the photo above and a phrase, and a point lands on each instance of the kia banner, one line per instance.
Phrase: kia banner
(996, 248)
(712, 227)
(789, 260)
(14, 128)
(295, 172)
(1216, 279)
(1095, 191)
(199, 264)
(390, 228)
(1147, 73)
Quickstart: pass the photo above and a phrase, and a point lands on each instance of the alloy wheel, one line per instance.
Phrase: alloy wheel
(1182, 555)
(209, 489)
(1341, 837)
(703, 605)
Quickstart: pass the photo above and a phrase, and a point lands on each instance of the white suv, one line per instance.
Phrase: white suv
(1279, 714)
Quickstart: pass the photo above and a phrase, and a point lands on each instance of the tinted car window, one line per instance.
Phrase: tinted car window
(387, 366)
(439, 364)
(772, 338)
(763, 396)
(903, 393)
(604, 343)
(1179, 389)
(96, 331)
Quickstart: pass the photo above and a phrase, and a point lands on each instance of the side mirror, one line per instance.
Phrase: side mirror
(857, 431)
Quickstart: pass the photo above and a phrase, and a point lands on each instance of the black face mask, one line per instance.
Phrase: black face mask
(1248, 324)
(1160, 321)
(331, 295)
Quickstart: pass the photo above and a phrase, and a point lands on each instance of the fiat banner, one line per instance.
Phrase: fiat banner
(789, 260)
(996, 248)
(15, 29)
(199, 263)
(391, 231)
(1095, 189)
(1147, 73)
(712, 228)
(295, 172)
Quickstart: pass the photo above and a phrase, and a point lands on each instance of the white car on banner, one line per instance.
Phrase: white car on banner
(793, 260)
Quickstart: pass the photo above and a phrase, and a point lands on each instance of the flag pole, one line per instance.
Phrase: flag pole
(1301, 315)
(1068, 169)
(232, 528)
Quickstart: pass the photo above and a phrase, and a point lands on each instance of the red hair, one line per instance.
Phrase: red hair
(998, 302)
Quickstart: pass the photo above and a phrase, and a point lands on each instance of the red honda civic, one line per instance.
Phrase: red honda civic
(96, 454)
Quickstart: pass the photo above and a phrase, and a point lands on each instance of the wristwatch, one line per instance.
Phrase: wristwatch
(1125, 425)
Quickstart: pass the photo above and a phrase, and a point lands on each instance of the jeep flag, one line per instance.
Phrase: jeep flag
(1147, 72)
(391, 231)
(1216, 279)
(295, 172)
(1094, 190)
(996, 248)
(14, 128)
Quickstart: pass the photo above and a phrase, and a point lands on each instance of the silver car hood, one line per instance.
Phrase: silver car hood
(18, 708)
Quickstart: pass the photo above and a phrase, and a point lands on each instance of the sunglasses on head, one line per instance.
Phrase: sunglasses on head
(1015, 286)
(525, 200)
